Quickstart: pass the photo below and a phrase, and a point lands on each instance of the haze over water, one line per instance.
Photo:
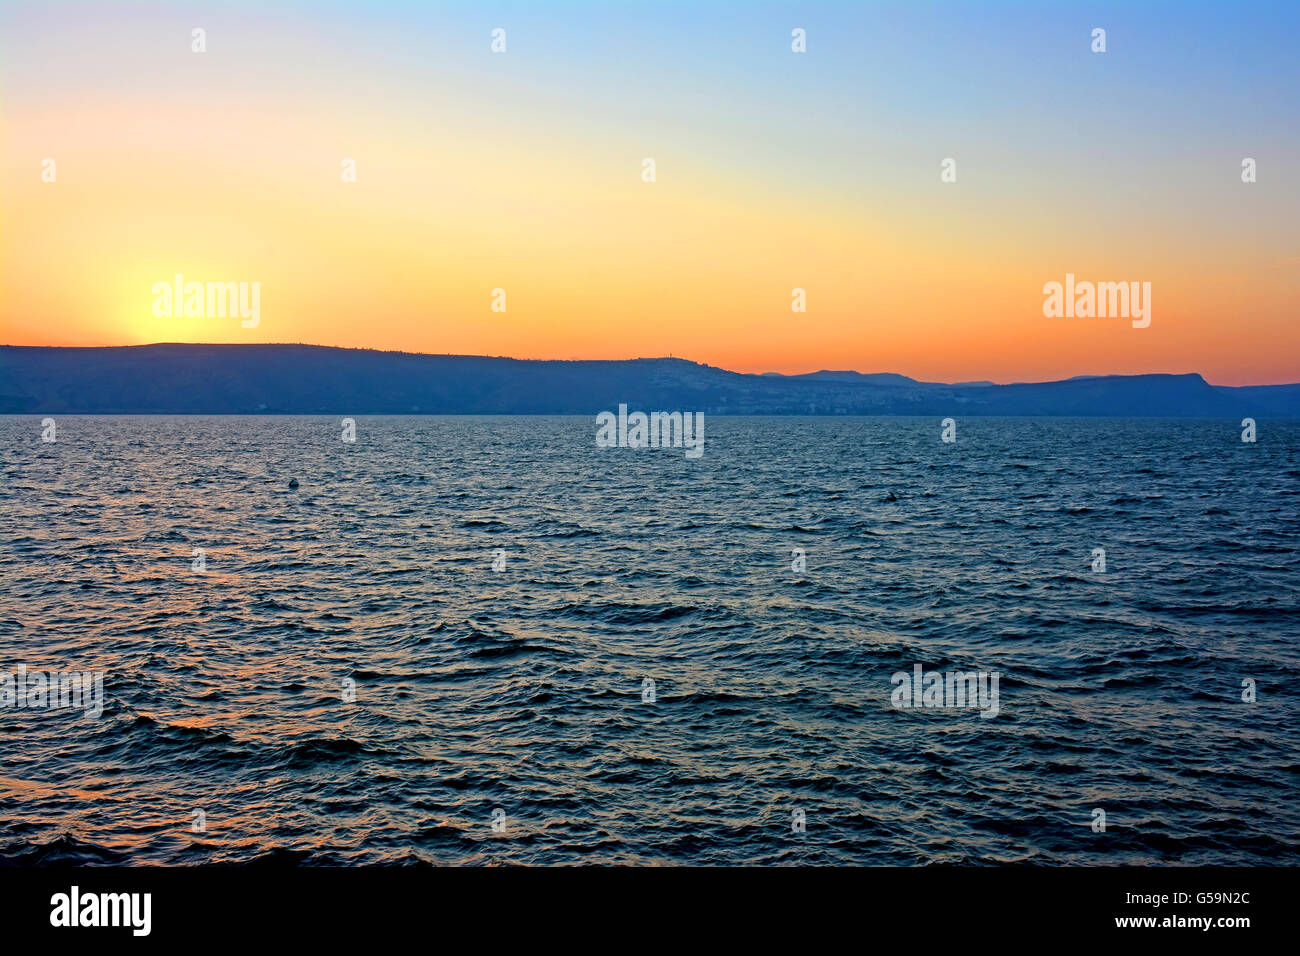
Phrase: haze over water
(521, 689)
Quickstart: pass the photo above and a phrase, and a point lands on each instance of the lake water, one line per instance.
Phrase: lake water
(337, 673)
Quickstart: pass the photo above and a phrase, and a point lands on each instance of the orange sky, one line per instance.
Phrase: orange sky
(486, 176)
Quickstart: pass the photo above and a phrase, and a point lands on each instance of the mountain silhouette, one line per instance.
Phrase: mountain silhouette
(310, 379)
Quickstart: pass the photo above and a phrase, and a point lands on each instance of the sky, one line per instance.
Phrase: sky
(774, 171)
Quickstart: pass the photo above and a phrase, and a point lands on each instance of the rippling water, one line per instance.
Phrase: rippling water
(521, 689)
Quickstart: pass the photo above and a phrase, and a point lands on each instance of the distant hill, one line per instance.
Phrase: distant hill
(308, 379)
(858, 378)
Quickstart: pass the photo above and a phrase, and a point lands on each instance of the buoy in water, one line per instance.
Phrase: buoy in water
(293, 482)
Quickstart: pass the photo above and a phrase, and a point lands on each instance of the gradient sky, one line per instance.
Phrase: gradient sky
(775, 170)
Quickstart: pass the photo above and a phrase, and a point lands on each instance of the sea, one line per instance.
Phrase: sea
(486, 640)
